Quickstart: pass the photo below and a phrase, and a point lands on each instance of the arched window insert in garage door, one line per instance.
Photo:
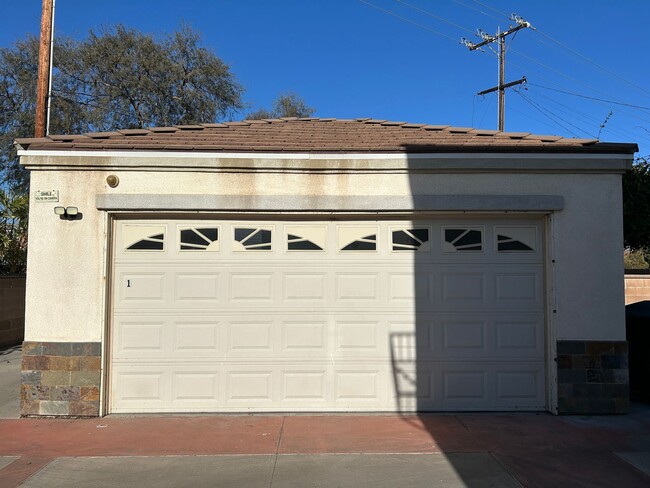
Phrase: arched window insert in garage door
(458, 239)
(144, 237)
(253, 238)
(199, 239)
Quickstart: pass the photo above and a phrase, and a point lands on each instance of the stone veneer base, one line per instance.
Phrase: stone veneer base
(593, 377)
(60, 379)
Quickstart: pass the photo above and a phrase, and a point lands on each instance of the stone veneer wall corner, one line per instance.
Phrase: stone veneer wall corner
(593, 377)
(60, 379)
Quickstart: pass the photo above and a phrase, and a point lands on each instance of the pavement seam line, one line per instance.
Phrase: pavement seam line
(503, 465)
(277, 451)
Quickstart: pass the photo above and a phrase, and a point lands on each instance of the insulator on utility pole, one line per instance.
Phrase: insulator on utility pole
(501, 38)
(44, 57)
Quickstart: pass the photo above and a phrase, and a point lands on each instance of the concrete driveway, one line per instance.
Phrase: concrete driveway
(278, 451)
(10, 382)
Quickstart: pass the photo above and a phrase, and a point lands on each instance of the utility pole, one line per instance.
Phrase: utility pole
(500, 37)
(44, 57)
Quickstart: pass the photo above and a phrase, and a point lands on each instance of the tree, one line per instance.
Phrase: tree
(636, 207)
(286, 105)
(13, 233)
(115, 79)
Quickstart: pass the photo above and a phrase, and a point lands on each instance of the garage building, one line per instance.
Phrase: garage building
(324, 265)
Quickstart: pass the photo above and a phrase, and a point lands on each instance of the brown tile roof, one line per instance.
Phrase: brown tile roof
(320, 136)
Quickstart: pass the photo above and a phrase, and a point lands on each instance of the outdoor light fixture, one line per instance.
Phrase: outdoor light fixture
(112, 181)
(67, 213)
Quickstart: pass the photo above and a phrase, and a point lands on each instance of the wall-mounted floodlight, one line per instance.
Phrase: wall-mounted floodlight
(67, 213)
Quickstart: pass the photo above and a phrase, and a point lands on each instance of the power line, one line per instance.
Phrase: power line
(476, 10)
(602, 68)
(409, 21)
(491, 8)
(629, 114)
(591, 98)
(436, 16)
(613, 128)
(586, 119)
(552, 116)
(554, 82)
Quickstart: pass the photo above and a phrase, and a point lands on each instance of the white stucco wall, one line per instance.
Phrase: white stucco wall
(67, 259)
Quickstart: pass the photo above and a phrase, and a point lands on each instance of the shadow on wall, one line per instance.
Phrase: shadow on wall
(12, 310)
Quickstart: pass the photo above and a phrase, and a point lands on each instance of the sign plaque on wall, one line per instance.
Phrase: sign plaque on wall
(46, 196)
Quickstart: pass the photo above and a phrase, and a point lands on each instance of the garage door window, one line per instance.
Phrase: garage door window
(463, 239)
(144, 238)
(253, 239)
(199, 239)
(411, 240)
(516, 239)
(358, 238)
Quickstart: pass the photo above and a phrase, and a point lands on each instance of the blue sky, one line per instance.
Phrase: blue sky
(348, 59)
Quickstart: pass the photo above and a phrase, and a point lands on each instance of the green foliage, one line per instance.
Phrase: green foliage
(286, 105)
(636, 259)
(13, 233)
(116, 79)
(636, 205)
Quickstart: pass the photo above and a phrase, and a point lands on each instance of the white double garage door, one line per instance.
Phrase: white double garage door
(367, 315)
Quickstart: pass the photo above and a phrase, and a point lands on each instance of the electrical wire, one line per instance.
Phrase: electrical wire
(590, 61)
(476, 10)
(611, 127)
(554, 82)
(492, 8)
(436, 17)
(535, 105)
(591, 98)
(409, 21)
(553, 116)
(587, 119)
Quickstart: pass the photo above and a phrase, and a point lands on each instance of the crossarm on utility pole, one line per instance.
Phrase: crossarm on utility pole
(500, 37)
(504, 86)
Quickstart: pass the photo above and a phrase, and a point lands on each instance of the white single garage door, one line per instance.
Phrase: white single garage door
(263, 316)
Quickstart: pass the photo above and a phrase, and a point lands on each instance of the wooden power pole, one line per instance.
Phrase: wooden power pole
(44, 57)
(501, 87)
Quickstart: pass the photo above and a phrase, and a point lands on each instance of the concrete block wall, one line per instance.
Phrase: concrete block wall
(637, 288)
(12, 310)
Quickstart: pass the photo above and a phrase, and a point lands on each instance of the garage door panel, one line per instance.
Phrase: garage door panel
(519, 384)
(141, 390)
(466, 385)
(197, 288)
(463, 288)
(197, 337)
(142, 289)
(305, 287)
(252, 287)
(357, 287)
(251, 385)
(196, 386)
(354, 337)
(140, 338)
(520, 336)
(522, 289)
(360, 384)
(251, 338)
(409, 287)
(307, 336)
(396, 319)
